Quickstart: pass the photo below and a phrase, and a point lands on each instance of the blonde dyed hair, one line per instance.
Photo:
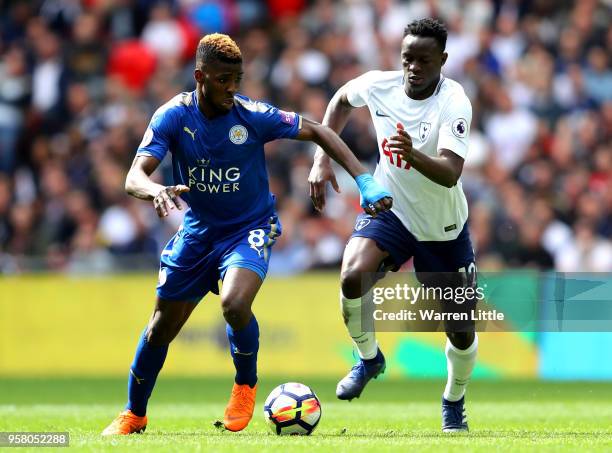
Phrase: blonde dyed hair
(217, 46)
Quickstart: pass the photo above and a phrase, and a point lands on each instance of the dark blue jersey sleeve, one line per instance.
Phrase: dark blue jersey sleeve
(157, 137)
(276, 123)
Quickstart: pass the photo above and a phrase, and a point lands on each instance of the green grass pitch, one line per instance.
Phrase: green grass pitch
(391, 415)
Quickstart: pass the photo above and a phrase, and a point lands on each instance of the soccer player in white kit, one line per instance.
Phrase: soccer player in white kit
(422, 122)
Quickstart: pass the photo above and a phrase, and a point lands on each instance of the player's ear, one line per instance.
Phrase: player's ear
(198, 75)
(444, 57)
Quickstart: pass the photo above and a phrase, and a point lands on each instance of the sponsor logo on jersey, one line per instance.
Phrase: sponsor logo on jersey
(238, 134)
(460, 127)
(190, 132)
(424, 129)
(213, 180)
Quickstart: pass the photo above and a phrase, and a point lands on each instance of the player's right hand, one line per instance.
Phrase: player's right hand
(320, 174)
(167, 199)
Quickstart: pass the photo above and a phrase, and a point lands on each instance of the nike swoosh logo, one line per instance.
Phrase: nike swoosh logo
(379, 113)
(236, 351)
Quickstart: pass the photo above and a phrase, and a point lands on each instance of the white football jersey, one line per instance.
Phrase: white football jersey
(430, 211)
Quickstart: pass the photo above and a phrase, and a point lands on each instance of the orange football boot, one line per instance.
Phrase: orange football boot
(126, 423)
(240, 408)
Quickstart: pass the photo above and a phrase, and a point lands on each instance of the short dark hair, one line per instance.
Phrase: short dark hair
(429, 28)
(219, 47)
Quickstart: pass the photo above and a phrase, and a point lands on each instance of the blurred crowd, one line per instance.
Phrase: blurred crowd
(79, 81)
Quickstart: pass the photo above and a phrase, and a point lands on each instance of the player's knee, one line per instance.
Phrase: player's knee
(350, 281)
(461, 340)
(357, 278)
(236, 313)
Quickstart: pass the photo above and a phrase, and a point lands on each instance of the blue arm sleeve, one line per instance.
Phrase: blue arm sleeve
(157, 137)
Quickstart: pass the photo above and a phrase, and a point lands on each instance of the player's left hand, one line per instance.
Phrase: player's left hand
(401, 143)
(167, 199)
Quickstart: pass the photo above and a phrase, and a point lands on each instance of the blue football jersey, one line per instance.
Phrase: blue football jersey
(221, 159)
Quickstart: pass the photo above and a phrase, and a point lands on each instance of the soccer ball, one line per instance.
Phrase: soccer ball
(292, 408)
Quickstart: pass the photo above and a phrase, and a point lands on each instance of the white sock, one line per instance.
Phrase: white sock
(460, 363)
(364, 341)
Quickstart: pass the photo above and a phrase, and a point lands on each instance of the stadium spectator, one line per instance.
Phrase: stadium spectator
(15, 92)
(79, 79)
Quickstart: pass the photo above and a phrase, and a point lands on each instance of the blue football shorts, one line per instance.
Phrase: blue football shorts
(446, 264)
(191, 266)
(392, 236)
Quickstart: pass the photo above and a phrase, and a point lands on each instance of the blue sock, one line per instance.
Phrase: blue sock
(147, 363)
(244, 344)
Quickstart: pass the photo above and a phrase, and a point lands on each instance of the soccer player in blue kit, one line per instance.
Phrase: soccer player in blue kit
(216, 138)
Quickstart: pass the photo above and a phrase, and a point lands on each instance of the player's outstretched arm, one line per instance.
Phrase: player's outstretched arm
(374, 198)
(445, 169)
(336, 117)
(332, 145)
(139, 184)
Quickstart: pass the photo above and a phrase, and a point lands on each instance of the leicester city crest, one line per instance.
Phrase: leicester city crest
(424, 130)
(238, 134)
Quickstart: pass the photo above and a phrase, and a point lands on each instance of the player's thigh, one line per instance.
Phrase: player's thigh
(244, 266)
(360, 265)
(450, 267)
(240, 286)
(362, 254)
(250, 248)
(378, 239)
(188, 269)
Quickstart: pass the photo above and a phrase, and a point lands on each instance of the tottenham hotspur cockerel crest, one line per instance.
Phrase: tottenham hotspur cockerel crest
(424, 129)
